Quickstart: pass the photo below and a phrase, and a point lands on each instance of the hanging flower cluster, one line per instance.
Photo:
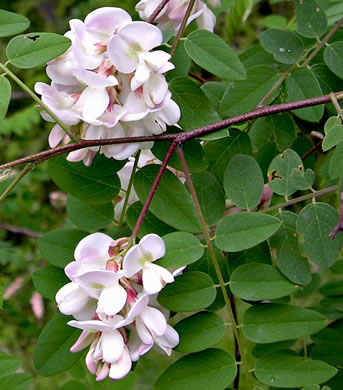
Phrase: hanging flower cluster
(171, 16)
(112, 296)
(109, 84)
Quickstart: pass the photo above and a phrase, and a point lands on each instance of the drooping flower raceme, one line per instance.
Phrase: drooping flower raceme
(171, 16)
(112, 296)
(109, 84)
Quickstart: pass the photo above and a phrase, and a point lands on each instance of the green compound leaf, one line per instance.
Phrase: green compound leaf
(272, 322)
(220, 152)
(332, 289)
(88, 185)
(240, 231)
(286, 46)
(311, 20)
(33, 49)
(52, 352)
(12, 24)
(285, 247)
(257, 282)
(287, 174)
(191, 291)
(336, 162)
(5, 96)
(172, 203)
(89, 216)
(185, 92)
(181, 249)
(333, 57)
(58, 246)
(333, 130)
(199, 331)
(303, 84)
(210, 369)
(8, 364)
(212, 53)
(244, 95)
(286, 370)
(243, 181)
(314, 223)
(48, 280)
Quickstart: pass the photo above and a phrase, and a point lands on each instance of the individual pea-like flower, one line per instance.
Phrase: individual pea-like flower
(109, 84)
(171, 16)
(140, 258)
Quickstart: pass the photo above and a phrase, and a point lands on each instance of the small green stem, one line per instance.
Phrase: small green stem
(206, 232)
(323, 42)
(313, 195)
(282, 78)
(36, 99)
(26, 170)
(128, 191)
(182, 27)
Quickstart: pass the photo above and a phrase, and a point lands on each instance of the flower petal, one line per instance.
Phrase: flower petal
(122, 367)
(93, 248)
(112, 300)
(131, 263)
(71, 298)
(112, 346)
(154, 245)
(154, 320)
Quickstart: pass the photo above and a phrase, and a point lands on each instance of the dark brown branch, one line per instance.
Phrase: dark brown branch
(180, 137)
(339, 226)
(157, 180)
(157, 10)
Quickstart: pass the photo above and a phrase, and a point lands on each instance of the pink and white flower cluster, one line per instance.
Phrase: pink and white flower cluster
(109, 84)
(171, 16)
(112, 296)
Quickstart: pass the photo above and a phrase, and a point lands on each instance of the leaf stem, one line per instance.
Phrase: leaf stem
(37, 99)
(182, 27)
(312, 195)
(323, 42)
(128, 191)
(20, 176)
(206, 232)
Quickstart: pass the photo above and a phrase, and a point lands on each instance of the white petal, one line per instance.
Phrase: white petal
(169, 340)
(93, 102)
(135, 345)
(93, 79)
(83, 341)
(155, 321)
(144, 34)
(122, 367)
(143, 332)
(117, 49)
(112, 300)
(87, 312)
(135, 107)
(138, 306)
(56, 135)
(91, 363)
(71, 298)
(154, 245)
(107, 20)
(92, 326)
(93, 248)
(112, 346)
(131, 264)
